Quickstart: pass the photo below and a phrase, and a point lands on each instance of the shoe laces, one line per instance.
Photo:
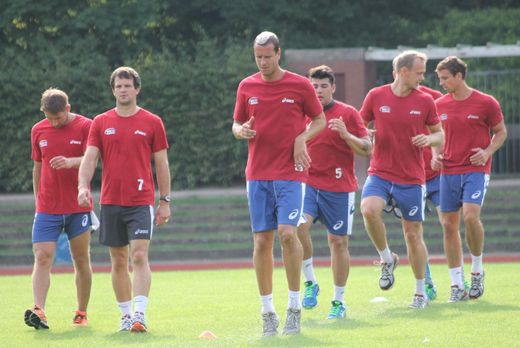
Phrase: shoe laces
(292, 318)
(269, 320)
(475, 280)
(79, 316)
(310, 289)
(455, 291)
(336, 308)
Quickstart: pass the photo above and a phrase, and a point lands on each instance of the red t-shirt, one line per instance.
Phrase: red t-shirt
(467, 125)
(126, 145)
(58, 189)
(332, 166)
(396, 121)
(279, 109)
(430, 173)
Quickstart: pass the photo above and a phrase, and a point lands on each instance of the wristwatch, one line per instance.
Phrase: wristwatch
(165, 198)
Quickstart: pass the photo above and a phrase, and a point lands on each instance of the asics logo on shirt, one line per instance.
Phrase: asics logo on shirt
(43, 143)
(84, 220)
(415, 112)
(385, 109)
(253, 101)
(476, 194)
(287, 100)
(338, 225)
(293, 214)
(110, 131)
(473, 117)
(443, 117)
(75, 142)
(139, 231)
(413, 211)
(139, 132)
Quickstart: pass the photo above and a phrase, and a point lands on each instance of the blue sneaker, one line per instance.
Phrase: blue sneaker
(337, 311)
(310, 297)
(431, 292)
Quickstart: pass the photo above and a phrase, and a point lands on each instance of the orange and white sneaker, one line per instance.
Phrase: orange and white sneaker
(80, 318)
(138, 323)
(36, 318)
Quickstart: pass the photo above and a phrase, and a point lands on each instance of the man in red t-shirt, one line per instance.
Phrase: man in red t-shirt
(331, 188)
(468, 117)
(270, 113)
(58, 144)
(127, 138)
(399, 113)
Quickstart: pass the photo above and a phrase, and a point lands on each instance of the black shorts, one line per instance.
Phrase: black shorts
(120, 225)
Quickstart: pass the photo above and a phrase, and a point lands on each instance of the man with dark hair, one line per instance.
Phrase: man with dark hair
(468, 117)
(331, 188)
(270, 113)
(399, 113)
(58, 144)
(127, 138)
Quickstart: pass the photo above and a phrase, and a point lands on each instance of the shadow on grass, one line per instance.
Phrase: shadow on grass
(346, 324)
(439, 309)
(301, 340)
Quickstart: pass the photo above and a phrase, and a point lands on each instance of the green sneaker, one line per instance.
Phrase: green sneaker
(337, 311)
(310, 297)
(431, 291)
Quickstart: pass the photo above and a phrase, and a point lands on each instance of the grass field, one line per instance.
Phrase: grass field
(184, 304)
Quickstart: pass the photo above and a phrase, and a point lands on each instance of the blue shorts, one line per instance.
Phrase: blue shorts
(275, 202)
(457, 189)
(410, 199)
(334, 209)
(433, 190)
(47, 227)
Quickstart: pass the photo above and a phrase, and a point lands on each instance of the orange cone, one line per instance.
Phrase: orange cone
(208, 335)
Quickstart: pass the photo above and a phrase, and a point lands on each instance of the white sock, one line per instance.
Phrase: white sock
(456, 276)
(308, 270)
(462, 269)
(476, 264)
(294, 300)
(267, 303)
(386, 255)
(125, 308)
(339, 293)
(140, 303)
(419, 286)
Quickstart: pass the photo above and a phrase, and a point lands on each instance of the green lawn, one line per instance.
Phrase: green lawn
(184, 304)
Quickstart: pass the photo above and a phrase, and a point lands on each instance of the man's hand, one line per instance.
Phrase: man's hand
(61, 162)
(421, 140)
(302, 160)
(84, 197)
(163, 213)
(480, 157)
(247, 131)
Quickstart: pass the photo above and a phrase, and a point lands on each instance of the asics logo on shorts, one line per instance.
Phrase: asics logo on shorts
(338, 225)
(139, 231)
(476, 194)
(413, 211)
(110, 131)
(352, 209)
(84, 220)
(293, 214)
